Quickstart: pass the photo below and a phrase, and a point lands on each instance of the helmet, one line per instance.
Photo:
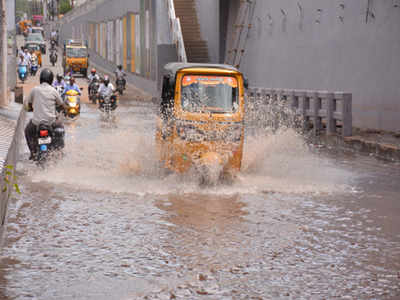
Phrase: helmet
(106, 80)
(59, 77)
(93, 71)
(67, 78)
(46, 76)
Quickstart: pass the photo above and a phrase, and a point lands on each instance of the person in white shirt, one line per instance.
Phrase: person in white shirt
(107, 90)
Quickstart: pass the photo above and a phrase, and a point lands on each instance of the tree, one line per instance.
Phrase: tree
(65, 6)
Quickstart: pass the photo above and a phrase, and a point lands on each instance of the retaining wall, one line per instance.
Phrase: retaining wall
(11, 160)
(119, 32)
(330, 45)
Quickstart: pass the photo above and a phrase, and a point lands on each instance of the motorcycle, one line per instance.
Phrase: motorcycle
(53, 58)
(59, 89)
(53, 45)
(120, 83)
(74, 104)
(22, 73)
(93, 89)
(107, 104)
(49, 138)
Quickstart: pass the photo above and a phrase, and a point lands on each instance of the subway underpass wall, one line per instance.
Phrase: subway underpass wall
(124, 32)
(350, 46)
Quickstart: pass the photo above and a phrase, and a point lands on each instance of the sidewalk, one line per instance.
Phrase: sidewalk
(381, 144)
(8, 122)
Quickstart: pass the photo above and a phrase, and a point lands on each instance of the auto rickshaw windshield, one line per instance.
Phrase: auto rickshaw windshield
(214, 94)
(33, 47)
(76, 52)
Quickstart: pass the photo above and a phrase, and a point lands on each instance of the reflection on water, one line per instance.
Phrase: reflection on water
(105, 223)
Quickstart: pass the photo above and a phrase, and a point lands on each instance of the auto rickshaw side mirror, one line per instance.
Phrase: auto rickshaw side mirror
(246, 83)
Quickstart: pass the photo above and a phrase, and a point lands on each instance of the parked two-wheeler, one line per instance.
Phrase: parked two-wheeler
(22, 73)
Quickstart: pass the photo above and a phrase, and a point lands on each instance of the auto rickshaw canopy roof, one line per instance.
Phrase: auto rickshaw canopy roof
(174, 67)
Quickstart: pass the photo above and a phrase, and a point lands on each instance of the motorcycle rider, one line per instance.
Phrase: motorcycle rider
(119, 73)
(93, 76)
(53, 53)
(27, 57)
(33, 60)
(71, 85)
(59, 82)
(106, 89)
(43, 100)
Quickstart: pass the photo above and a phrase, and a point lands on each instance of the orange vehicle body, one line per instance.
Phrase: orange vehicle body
(190, 136)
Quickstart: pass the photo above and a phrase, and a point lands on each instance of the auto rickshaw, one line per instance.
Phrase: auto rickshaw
(38, 30)
(36, 48)
(200, 124)
(76, 58)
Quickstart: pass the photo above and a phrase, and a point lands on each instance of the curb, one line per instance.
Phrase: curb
(359, 144)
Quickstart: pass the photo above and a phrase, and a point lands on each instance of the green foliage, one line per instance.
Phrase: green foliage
(65, 6)
(10, 180)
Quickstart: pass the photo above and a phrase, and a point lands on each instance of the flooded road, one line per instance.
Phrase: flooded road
(106, 223)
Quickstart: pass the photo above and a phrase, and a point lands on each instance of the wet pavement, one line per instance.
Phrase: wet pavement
(299, 222)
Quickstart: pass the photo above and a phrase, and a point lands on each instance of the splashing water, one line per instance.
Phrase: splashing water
(125, 161)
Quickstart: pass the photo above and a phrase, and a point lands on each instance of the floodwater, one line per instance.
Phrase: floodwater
(299, 222)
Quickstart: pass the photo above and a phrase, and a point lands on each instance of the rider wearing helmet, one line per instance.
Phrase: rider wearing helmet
(71, 85)
(92, 76)
(43, 100)
(107, 90)
(120, 74)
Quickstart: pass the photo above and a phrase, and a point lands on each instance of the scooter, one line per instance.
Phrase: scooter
(22, 70)
(74, 104)
(34, 69)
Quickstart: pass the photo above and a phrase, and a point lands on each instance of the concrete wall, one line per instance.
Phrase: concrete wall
(330, 45)
(11, 59)
(119, 32)
(208, 13)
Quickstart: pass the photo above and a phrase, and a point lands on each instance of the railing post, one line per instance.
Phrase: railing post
(330, 109)
(314, 109)
(347, 117)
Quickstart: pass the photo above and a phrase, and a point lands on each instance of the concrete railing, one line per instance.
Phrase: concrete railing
(11, 160)
(315, 107)
(177, 36)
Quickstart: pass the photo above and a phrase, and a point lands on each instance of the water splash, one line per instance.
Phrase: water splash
(124, 160)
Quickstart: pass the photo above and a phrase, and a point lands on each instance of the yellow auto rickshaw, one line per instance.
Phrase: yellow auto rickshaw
(200, 124)
(76, 58)
(36, 49)
(37, 29)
